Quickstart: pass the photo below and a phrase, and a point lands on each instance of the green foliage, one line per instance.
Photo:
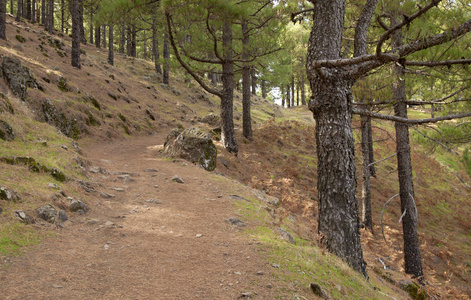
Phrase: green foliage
(467, 160)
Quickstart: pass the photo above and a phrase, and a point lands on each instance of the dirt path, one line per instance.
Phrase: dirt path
(155, 239)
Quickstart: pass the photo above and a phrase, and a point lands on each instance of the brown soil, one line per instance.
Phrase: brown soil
(153, 251)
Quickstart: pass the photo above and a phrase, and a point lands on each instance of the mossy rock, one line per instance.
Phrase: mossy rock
(5, 105)
(62, 84)
(18, 77)
(9, 195)
(92, 121)
(57, 118)
(6, 131)
(414, 290)
(58, 175)
(48, 213)
(20, 38)
(193, 145)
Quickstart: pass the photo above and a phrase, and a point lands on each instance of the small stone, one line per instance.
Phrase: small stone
(154, 201)
(63, 215)
(77, 206)
(275, 265)
(56, 286)
(64, 147)
(117, 189)
(286, 236)
(260, 273)
(235, 222)
(23, 217)
(246, 295)
(107, 196)
(109, 224)
(269, 285)
(199, 235)
(177, 179)
(92, 221)
(151, 170)
(318, 291)
(156, 186)
(238, 273)
(106, 247)
(126, 178)
(48, 213)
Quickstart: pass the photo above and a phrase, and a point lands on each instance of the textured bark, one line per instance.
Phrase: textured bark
(282, 97)
(33, 11)
(412, 257)
(331, 105)
(62, 15)
(227, 97)
(133, 41)
(370, 150)
(264, 89)
(11, 7)
(155, 42)
(366, 216)
(165, 77)
(3, 11)
(292, 90)
(103, 31)
(254, 81)
(19, 10)
(288, 101)
(75, 34)
(122, 41)
(303, 91)
(246, 118)
(50, 16)
(43, 12)
(97, 36)
(28, 9)
(110, 45)
(297, 95)
(83, 38)
(128, 41)
(213, 77)
(91, 26)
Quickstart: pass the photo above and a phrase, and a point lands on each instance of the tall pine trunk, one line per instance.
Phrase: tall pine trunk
(91, 26)
(254, 82)
(3, 11)
(122, 41)
(412, 257)
(50, 16)
(227, 119)
(76, 34)
(155, 42)
(28, 9)
(288, 100)
(366, 216)
(97, 36)
(264, 89)
(331, 104)
(19, 10)
(292, 90)
(165, 77)
(246, 117)
(110, 45)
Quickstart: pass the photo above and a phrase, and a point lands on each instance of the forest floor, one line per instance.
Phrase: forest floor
(156, 239)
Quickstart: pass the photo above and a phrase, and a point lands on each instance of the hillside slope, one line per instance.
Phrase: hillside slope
(120, 105)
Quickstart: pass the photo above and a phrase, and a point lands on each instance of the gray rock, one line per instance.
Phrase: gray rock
(18, 77)
(117, 189)
(77, 205)
(53, 186)
(96, 170)
(318, 291)
(48, 213)
(235, 222)
(5, 105)
(177, 179)
(154, 201)
(23, 217)
(8, 195)
(63, 216)
(107, 196)
(126, 178)
(237, 197)
(286, 235)
(195, 146)
(151, 170)
(211, 119)
(56, 117)
(6, 131)
(246, 295)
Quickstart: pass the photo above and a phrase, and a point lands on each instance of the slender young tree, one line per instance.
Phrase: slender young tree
(155, 40)
(110, 45)
(166, 71)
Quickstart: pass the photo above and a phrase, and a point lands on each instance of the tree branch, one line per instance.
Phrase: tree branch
(437, 63)
(371, 114)
(215, 41)
(184, 65)
(362, 28)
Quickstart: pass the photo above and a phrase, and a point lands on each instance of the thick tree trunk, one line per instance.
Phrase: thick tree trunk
(264, 89)
(50, 16)
(122, 41)
(412, 257)
(128, 41)
(331, 104)
(292, 90)
(366, 216)
(62, 15)
(83, 38)
(166, 76)
(213, 77)
(110, 45)
(288, 100)
(33, 11)
(227, 119)
(3, 11)
(246, 117)
(97, 36)
(282, 96)
(43, 12)
(91, 26)
(133, 41)
(19, 10)
(155, 42)
(76, 34)
(11, 8)
(28, 9)
(103, 30)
